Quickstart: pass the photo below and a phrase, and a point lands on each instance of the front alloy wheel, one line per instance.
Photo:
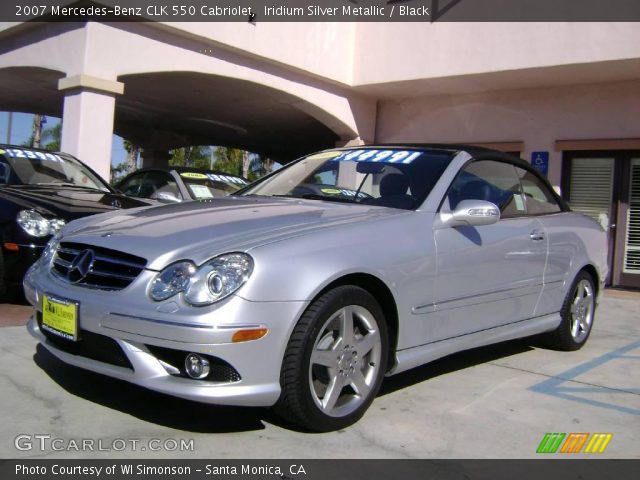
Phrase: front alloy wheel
(345, 361)
(335, 361)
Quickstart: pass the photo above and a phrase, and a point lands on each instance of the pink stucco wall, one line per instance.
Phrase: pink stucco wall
(538, 117)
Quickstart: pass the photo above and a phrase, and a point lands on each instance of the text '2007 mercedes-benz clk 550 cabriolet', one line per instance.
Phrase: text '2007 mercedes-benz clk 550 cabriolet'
(303, 290)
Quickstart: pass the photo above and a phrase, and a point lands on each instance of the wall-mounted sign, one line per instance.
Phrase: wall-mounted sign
(540, 161)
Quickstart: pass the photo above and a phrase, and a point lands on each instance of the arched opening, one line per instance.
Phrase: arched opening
(172, 109)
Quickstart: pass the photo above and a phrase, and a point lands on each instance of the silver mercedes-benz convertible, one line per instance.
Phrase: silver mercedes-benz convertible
(306, 288)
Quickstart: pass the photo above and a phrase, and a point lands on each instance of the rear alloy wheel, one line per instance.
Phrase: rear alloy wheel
(335, 361)
(577, 314)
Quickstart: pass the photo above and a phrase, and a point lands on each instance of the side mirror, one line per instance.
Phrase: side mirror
(166, 197)
(472, 213)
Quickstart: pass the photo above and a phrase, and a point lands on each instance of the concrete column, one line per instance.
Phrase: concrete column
(155, 157)
(87, 122)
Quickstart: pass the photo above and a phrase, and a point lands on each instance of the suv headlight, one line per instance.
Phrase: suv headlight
(36, 225)
(214, 280)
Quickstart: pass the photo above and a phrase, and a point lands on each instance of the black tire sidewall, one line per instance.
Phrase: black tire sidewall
(313, 322)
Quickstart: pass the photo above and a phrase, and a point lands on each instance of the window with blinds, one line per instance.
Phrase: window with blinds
(591, 187)
(632, 240)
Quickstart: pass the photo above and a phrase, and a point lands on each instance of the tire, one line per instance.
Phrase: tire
(577, 313)
(334, 362)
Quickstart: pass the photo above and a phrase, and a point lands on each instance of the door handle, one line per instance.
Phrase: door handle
(536, 235)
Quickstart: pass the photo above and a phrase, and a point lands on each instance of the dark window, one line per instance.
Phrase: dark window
(492, 181)
(131, 186)
(146, 184)
(152, 182)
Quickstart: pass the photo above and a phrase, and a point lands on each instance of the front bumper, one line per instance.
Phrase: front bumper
(141, 327)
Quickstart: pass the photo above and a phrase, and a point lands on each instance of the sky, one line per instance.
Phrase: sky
(21, 132)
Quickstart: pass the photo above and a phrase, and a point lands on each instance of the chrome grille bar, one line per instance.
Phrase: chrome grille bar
(110, 270)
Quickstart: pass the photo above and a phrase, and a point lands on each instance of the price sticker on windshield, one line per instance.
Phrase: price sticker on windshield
(32, 154)
(382, 156)
(194, 175)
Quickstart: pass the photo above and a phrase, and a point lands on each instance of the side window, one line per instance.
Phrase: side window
(152, 182)
(132, 186)
(538, 198)
(495, 182)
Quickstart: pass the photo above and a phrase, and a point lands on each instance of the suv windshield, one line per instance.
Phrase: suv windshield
(22, 166)
(390, 177)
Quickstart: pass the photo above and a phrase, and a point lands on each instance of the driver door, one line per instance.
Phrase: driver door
(490, 275)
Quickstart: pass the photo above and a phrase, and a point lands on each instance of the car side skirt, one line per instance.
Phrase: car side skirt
(416, 356)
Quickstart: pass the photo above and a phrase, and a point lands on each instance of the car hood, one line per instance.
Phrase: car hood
(203, 229)
(67, 203)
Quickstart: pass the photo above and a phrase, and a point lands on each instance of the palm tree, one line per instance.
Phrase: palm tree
(133, 151)
(47, 138)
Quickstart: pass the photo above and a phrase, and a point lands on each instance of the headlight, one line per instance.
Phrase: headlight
(218, 278)
(50, 250)
(172, 280)
(36, 225)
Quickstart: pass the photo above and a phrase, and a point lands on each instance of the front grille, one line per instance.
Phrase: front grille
(221, 371)
(111, 269)
(90, 345)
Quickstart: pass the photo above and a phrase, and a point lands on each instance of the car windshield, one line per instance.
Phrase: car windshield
(23, 166)
(388, 177)
(209, 185)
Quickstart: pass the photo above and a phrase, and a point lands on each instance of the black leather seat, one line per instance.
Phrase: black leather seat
(393, 192)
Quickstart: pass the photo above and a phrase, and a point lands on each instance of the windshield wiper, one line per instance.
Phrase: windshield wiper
(66, 184)
(315, 196)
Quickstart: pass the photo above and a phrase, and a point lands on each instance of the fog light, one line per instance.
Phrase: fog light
(196, 366)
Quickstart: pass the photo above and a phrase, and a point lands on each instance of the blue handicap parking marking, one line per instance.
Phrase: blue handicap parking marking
(562, 386)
